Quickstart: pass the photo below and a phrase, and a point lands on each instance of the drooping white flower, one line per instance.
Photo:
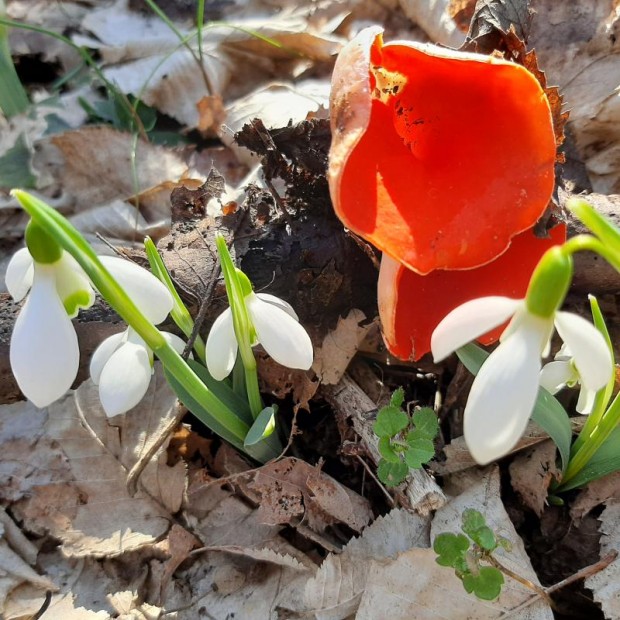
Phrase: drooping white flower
(504, 392)
(562, 372)
(122, 365)
(277, 328)
(44, 352)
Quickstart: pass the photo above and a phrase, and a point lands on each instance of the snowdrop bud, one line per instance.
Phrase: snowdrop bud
(41, 246)
(550, 282)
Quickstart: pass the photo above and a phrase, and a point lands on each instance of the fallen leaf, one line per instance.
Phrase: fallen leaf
(485, 497)
(88, 508)
(575, 46)
(435, 18)
(110, 173)
(335, 591)
(596, 493)
(339, 346)
(290, 490)
(605, 585)
(532, 472)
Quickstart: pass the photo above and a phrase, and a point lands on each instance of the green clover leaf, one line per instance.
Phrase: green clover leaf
(486, 585)
(450, 549)
(390, 421)
(392, 474)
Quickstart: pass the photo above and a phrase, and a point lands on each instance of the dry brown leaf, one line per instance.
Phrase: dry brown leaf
(130, 437)
(485, 497)
(89, 509)
(290, 490)
(280, 381)
(435, 18)
(108, 175)
(276, 105)
(335, 590)
(575, 45)
(596, 493)
(605, 585)
(532, 472)
(339, 346)
(90, 590)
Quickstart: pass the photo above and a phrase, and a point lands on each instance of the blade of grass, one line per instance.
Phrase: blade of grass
(13, 97)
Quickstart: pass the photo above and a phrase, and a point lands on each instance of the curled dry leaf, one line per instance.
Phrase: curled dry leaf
(532, 472)
(290, 490)
(339, 346)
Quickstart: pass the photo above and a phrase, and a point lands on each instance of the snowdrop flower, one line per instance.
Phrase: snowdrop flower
(122, 365)
(276, 327)
(44, 354)
(504, 392)
(562, 372)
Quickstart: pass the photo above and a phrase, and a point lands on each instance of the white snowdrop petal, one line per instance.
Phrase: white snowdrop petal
(44, 348)
(221, 348)
(588, 347)
(178, 344)
(502, 397)
(19, 274)
(284, 339)
(103, 353)
(555, 375)
(470, 321)
(147, 292)
(280, 303)
(124, 379)
(585, 402)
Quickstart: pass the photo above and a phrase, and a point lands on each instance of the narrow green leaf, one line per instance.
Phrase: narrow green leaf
(224, 392)
(390, 421)
(263, 426)
(605, 461)
(15, 166)
(548, 413)
(392, 474)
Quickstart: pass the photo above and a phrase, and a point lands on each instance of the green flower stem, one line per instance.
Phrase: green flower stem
(238, 378)
(604, 395)
(180, 314)
(242, 325)
(600, 226)
(593, 442)
(582, 243)
(221, 419)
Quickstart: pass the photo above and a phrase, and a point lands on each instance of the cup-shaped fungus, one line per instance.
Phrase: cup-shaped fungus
(411, 306)
(439, 158)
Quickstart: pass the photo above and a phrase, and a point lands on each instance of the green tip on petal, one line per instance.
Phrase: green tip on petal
(549, 283)
(244, 282)
(76, 301)
(41, 246)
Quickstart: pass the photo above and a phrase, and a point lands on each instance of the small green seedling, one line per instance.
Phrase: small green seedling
(465, 553)
(404, 441)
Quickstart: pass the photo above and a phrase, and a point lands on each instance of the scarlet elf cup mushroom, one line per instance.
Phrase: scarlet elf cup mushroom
(439, 158)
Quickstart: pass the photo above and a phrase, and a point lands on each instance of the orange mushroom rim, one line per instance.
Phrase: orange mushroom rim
(439, 158)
